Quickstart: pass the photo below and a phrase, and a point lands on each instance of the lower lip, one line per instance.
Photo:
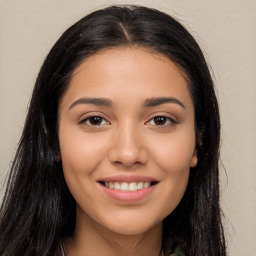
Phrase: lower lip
(128, 196)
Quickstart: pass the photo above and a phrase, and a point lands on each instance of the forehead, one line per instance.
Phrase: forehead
(128, 73)
(131, 58)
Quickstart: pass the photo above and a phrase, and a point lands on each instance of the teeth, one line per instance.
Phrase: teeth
(133, 186)
(146, 184)
(109, 185)
(117, 186)
(124, 186)
(140, 185)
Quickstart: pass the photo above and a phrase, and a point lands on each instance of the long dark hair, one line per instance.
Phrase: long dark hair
(38, 209)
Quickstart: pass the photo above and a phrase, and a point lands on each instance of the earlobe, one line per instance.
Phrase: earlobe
(58, 158)
(57, 155)
(194, 159)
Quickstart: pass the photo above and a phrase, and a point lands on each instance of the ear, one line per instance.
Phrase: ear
(57, 157)
(194, 159)
(56, 152)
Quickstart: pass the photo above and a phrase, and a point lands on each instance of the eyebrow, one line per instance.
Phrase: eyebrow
(95, 101)
(151, 102)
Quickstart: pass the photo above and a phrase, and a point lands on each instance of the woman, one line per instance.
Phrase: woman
(119, 153)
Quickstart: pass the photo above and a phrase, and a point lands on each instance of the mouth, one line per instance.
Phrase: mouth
(128, 186)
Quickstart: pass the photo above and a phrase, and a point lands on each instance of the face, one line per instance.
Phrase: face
(127, 138)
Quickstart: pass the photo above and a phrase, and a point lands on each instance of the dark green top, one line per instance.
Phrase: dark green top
(177, 252)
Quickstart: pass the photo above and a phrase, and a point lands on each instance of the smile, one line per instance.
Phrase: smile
(128, 188)
(131, 186)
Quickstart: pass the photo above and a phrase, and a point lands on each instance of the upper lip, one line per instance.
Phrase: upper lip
(128, 178)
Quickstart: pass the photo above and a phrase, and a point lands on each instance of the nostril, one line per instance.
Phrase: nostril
(125, 157)
(127, 165)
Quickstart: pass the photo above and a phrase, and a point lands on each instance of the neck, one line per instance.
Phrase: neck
(90, 238)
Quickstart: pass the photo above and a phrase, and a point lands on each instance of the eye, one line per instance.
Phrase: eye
(161, 121)
(94, 121)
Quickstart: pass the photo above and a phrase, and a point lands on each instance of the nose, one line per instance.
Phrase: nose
(127, 147)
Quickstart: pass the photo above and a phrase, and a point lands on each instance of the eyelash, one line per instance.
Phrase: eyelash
(167, 120)
(90, 118)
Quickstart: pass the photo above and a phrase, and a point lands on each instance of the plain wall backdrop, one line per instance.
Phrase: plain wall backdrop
(225, 30)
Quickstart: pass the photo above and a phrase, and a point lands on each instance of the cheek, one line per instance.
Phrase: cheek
(80, 152)
(174, 153)
(173, 157)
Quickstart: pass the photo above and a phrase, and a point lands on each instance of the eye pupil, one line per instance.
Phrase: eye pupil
(95, 120)
(160, 120)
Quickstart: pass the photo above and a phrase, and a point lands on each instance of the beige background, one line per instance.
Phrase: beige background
(225, 29)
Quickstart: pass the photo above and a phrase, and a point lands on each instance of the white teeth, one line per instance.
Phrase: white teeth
(140, 185)
(133, 186)
(117, 186)
(110, 185)
(124, 186)
(146, 184)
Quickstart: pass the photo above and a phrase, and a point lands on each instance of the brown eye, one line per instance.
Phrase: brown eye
(161, 121)
(95, 121)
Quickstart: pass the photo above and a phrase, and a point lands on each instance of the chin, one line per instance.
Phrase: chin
(132, 227)
(130, 231)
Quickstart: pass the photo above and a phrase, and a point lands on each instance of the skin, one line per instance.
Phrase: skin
(127, 140)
